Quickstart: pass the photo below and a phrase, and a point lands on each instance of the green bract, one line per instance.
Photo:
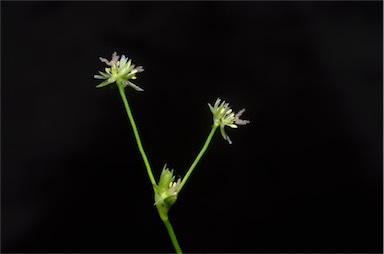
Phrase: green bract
(224, 116)
(120, 71)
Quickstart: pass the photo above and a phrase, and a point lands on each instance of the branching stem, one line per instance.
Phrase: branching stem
(163, 216)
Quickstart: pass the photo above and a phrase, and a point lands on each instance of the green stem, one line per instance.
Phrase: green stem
(136, 133)
(189, 172)
(172, 235)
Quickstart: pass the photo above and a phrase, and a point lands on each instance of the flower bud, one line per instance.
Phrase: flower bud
(166, 191)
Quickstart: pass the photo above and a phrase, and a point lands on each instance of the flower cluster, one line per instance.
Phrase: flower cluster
(167, 189)
(224, 116)
(120, 71)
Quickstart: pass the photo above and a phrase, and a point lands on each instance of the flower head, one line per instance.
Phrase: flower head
(120, 71)
(167, 189)
(224, 116)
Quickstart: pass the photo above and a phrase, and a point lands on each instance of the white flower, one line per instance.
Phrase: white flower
(224, 116)
(120, 71)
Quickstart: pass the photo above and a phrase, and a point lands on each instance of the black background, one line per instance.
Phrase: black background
(304, 176)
